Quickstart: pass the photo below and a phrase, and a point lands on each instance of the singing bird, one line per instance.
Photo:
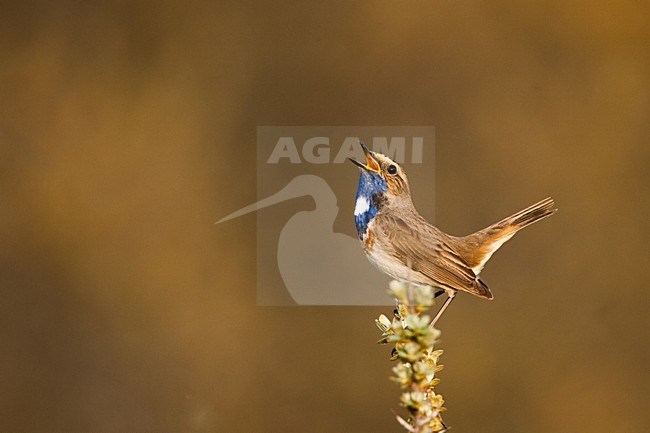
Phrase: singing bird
(402, 244)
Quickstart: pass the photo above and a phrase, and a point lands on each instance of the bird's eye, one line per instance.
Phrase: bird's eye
(392, 169)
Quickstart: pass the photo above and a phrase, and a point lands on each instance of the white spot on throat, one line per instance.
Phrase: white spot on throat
(362, 206)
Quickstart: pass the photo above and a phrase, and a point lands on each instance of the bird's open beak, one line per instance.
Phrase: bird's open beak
(371, 163)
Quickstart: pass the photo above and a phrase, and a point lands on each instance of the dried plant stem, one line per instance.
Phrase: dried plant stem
(417, 361)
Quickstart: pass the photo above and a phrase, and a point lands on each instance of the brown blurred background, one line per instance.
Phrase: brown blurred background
(128, 128)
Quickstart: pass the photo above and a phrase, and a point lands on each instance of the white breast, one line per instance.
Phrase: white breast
(388, 264)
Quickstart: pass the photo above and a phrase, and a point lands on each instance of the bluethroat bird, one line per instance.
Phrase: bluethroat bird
(402, 244)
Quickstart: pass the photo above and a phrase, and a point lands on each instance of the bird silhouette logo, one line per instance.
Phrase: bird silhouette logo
(317, 265)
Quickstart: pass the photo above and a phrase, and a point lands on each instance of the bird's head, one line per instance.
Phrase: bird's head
(382, 183)
(382, 175)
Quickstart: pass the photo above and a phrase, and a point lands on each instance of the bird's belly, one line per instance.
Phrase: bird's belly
(386, 262)
(391, 266)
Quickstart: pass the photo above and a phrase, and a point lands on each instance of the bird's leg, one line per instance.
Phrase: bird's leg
(438, 293)
(451, 294)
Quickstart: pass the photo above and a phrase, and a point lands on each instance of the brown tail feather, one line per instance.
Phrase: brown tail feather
(530, 215)
(477, 248)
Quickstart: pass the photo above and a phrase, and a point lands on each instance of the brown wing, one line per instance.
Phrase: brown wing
(426, 252)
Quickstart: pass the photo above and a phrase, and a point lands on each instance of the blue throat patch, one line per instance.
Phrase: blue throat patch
(371, 187)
